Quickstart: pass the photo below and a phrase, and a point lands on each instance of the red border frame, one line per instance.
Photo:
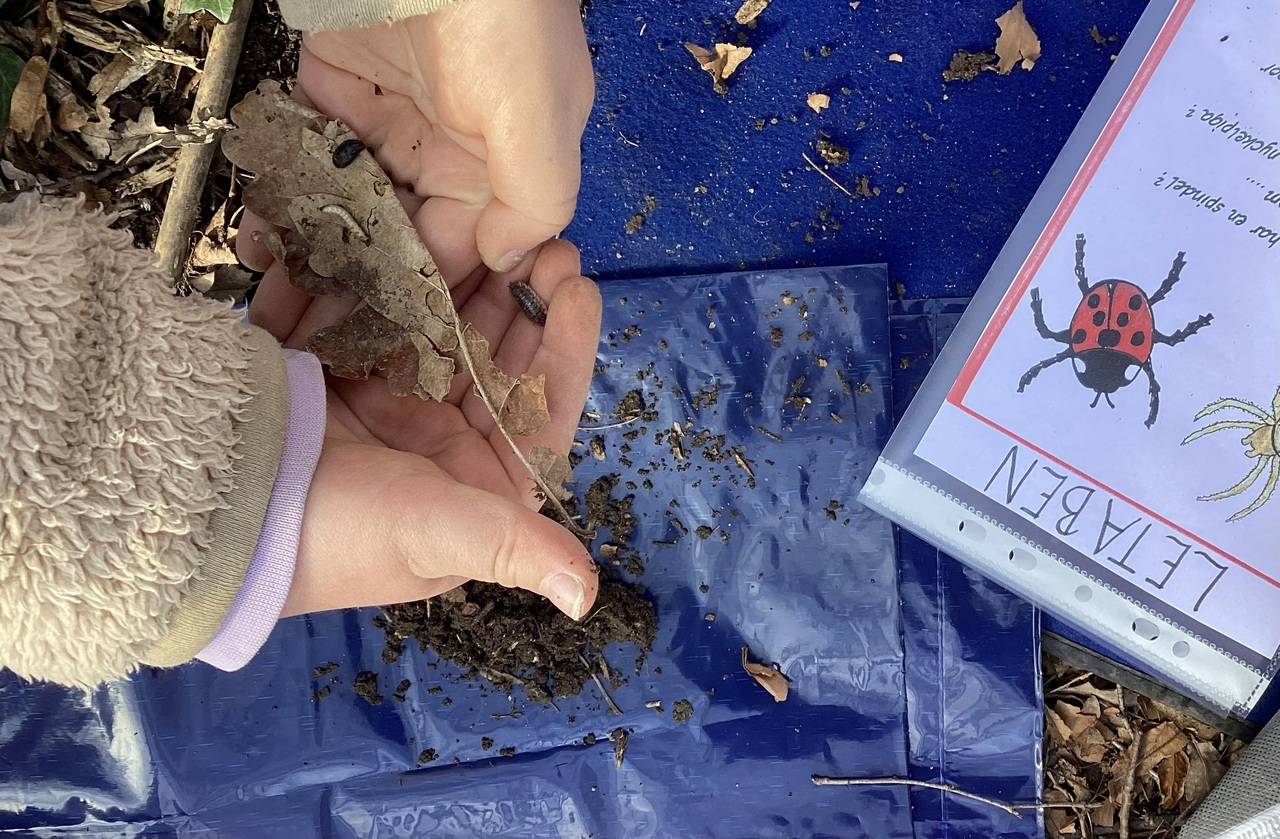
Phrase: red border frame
(1030, 267)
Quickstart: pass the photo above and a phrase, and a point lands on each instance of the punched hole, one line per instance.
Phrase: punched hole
(1022, 559)
(1084, 594)
(1145, 629)
(1181, 649)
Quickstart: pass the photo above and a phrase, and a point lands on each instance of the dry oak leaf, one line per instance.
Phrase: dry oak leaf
(768, 677)
(749, 11)
(818, 101)
(1017, 41)
(347, 232)
(720, 61)
(28, 105)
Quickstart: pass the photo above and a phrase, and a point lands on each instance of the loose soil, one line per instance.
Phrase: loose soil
(513, 637)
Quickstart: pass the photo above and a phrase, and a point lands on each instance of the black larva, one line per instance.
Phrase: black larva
(346, 152)
(530, 303)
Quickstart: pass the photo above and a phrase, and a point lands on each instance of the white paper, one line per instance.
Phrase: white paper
(1190, 166)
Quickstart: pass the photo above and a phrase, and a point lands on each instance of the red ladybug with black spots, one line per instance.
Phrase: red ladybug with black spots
(1112, 334)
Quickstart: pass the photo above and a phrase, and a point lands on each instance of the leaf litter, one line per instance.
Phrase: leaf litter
(1016, 45)
(346, 234)
(1134, 767)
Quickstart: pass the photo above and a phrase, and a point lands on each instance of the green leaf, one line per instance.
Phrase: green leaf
(221, 9)
(11, 65)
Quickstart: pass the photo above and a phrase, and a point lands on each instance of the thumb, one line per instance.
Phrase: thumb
(535, 181)
(383, 526)
(477, 534)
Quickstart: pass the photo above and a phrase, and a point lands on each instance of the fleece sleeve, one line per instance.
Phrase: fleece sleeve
(315, 16)
(141, 435)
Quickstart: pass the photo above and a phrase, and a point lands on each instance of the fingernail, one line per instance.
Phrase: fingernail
(510, 261)
(567, 592)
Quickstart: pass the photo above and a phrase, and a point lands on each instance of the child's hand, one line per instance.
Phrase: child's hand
(411, 497)
(478, 107)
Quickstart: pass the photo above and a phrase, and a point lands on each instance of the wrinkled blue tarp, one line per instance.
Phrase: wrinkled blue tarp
(916, 669)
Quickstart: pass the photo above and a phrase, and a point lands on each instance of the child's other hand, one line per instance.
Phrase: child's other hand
(476, 110)
(412, 497)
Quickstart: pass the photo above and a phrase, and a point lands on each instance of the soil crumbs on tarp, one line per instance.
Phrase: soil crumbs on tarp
(511, 636)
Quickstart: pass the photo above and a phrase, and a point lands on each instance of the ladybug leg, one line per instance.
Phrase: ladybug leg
(1035, 371)
(1037, 309)
(1081, 279)
(1182, 334)
(1154, 391)
(1175, 274)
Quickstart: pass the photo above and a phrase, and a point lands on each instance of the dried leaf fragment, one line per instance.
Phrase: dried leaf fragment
(768, 677)
(895, 57)
(28, 105)
(818, 101)
(1017, 41)
(749, 11)
(720, 61)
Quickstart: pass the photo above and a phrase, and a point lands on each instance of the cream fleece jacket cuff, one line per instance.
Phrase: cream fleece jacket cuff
(141, 433)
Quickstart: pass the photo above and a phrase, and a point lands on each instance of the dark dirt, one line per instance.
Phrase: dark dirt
(682, 711)
(427, 756)
(965, 66)
(833, 153)
(366, 687)
(513, 637)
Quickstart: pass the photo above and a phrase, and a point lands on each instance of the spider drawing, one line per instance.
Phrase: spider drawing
(1262, 443)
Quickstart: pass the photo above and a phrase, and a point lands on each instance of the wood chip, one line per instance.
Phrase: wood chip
(769, 678)
(720, 61)
(818, 101)
(749, 11)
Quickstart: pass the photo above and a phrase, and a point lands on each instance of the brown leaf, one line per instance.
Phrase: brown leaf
(720, 61)
(1017, 41)
(525, 412)
(1060, 726)
(553, 467)
(28, 105)
(1158, 744)
(1196, 786)
(1076, 719)
(749, 11)
(769, 678)
(1091, 746)
(1104, 815)
(1172, 775)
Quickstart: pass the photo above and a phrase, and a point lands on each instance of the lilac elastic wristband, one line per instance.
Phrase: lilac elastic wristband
(266, 584)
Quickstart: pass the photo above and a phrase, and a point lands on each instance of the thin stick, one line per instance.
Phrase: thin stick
(816, 168)
(610, 425)
(1135, 746)
(546, 489)
(173, 242)
(1011, 809)
(613, 707)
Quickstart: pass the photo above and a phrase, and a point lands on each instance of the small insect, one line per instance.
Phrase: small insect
(530, 303)
(1112, 334)
(348, 220)
(346, 152)
(1263, 443)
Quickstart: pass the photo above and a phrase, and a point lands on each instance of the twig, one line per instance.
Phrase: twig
(610, 425)
(817, 169)
(613, 707)
(546, 489)
(1135, 747)
(173, 242)
(1011, 809)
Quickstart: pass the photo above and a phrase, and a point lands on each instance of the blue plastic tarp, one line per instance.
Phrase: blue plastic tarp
(910, 669)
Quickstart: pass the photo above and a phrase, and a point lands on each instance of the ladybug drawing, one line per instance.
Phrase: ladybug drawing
(1112, 333)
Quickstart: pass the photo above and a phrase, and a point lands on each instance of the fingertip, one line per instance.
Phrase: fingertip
(505, 236)
(251, 252)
